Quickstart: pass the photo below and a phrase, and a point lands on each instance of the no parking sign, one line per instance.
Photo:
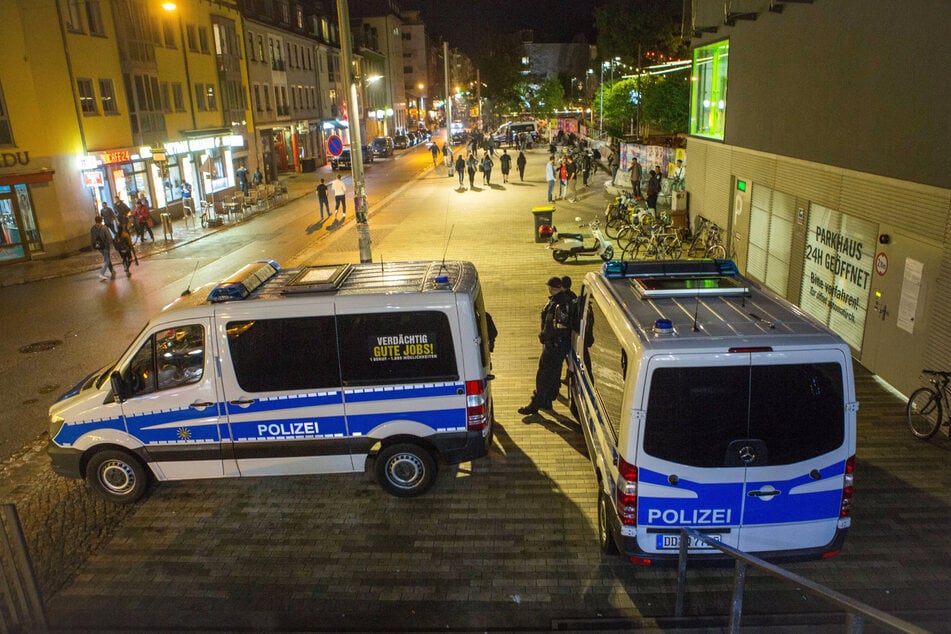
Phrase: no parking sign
(334, 145)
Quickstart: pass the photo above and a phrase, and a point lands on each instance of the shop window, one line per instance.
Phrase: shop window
(107, 96)
(708, 90)
(6, 131)
(87, 96)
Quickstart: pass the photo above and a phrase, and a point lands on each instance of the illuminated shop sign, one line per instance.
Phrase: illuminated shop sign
(116, 156)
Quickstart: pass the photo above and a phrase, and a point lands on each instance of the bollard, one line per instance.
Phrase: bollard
(167, 226)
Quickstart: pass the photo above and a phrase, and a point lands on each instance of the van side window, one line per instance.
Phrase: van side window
(168, 359)
(271, 355)
(693, 414)
(606, 361)
(396, 347)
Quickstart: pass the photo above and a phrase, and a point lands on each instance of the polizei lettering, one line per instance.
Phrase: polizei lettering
(288, 429)
(696, 517)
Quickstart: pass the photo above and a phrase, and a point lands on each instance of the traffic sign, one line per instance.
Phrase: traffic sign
(334, 145)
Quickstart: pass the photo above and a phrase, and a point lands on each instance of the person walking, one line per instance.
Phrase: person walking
(123, 214)
(143, 220)
(126, 250)
(636, 173)
(242, 174)
(586, 163)
(257, 179)
(563, 179)
(653, 189)
(612, 166)
(487, 169)
(520, 163)
(505, 164)
(471, 163)
(100, 239)
(461, 170)
(571, 170)
(340, 198)
(554, 337)
(434, 150)
(108, 217)
(323, 202)
(550, 176)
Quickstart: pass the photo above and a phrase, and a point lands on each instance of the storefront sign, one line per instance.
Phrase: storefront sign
(837, 271)
(12, 159)
(92, 179)
(116, 156)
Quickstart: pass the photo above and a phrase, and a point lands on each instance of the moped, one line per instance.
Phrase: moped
(567, 245)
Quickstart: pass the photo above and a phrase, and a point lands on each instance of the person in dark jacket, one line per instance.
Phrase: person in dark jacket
(653, 189)
(554, 337)
(520, 163)
(461, 170)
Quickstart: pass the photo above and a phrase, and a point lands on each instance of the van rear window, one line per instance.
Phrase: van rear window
(694, 414)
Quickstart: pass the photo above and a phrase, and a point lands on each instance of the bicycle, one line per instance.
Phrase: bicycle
(927, 405)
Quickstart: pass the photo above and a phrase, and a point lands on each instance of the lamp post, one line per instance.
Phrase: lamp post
(421, 117)
(356, 142)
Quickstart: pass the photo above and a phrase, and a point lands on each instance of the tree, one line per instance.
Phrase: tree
(546, 98)
(665, 104)
(499, 67)
(654, 25)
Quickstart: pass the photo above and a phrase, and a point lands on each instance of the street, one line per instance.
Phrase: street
(504, 543)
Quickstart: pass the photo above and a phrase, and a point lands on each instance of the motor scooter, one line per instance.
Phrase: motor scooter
(566, 245)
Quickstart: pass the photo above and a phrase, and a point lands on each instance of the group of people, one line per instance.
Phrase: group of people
(469, 166)
(339, 189)
(112, 229)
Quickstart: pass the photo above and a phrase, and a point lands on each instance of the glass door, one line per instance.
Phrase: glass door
(11, 238)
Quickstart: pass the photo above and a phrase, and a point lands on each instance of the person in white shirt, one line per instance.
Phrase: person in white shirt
(340, 197)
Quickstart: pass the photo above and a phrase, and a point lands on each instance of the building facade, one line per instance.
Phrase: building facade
(818, 141)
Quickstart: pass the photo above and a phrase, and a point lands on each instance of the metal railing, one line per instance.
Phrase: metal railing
(857, 613)
(21, 605)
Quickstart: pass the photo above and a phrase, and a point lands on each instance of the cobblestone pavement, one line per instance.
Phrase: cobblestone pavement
(506, 543)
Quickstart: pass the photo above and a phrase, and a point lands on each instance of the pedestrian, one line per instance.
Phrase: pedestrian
(257, 179)
(520, 163)
(123, 214)
(612, 166)
(323, 202)
(471, 163)
(242, 174)
(143, 220)
(554, 337)
(108, 217)
(550, 176)
(571, 170)
(188, 207)
(126, 250)
(653, 189)
(340, 198)
(461, 170)
(505, 164)
(563, 178)
(487, 169)
(140, 197)
(636, 173)
(100, 239)
(434, 150)
(680, 176)
(586, 164)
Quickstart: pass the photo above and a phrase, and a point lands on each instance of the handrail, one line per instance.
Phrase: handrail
(857, 612)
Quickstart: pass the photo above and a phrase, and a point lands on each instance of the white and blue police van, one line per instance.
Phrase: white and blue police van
(274, 371)
(710, 402)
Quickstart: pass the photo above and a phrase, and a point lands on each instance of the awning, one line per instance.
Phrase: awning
(43, 176)
(334, 124)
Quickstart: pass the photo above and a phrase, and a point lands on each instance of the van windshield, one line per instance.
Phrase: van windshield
(695, 413)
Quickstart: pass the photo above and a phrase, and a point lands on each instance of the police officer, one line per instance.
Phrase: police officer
(554, 337)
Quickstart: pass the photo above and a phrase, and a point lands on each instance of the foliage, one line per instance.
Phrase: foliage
(546, 98)
(666, 104)
(499, 67)
(654, 25)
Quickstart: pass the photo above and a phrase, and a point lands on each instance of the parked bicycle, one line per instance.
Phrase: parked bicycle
(707, 242)
(927, 405)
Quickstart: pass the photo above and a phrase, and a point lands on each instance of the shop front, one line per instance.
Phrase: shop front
(19, 236)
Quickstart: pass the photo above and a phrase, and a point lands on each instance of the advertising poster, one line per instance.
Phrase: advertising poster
(650, 157)
(837, 271)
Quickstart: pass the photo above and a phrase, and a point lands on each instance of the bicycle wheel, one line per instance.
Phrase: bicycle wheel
(614, 226)
(924, 413)
(717, 252)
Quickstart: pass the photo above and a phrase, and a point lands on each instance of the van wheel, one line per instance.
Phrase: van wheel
(405, 470)
(117, 476)
(605, 536)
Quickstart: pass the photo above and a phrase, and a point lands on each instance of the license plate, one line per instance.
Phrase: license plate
(671, 541)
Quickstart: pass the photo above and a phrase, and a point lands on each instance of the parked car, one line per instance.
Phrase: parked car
(383, 146)
(413, 137)
(401, 142)
(345, 160)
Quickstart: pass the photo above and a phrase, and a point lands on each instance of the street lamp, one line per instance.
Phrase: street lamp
(421, 116)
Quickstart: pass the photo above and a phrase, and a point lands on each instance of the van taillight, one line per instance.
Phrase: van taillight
(626, 492)
(476, 415)
(848, 488)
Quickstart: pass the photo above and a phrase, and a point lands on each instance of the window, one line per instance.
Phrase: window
(299, 12)
(251, 56)
(606, 361)
(87, 96)
(200, 97)
(169, 359)
(285, 12)
(178, 96)
(74, 16)
(277, 355)
(695, 414)
(212, 99)
(396, 347)
(168, 32)
(6, 132)
(203, 39)
(94, 18)
(267, 98)
(261, 48)
(257, 97)
(192, 38)
(708, 91)
(107, 95)
(166, 97)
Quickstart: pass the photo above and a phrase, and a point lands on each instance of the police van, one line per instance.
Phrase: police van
(291, 371)
(709, 402)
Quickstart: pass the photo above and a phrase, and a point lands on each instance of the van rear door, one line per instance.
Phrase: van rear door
(747, 446)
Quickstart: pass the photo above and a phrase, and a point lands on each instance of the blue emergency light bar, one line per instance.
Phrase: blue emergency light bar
(244, 282)
(617, 269)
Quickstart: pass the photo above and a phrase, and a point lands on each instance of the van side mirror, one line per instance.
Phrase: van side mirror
(118, 387)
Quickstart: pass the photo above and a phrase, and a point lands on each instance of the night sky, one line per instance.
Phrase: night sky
(465, 24)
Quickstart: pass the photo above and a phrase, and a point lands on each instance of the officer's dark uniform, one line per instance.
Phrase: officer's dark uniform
(554, 337)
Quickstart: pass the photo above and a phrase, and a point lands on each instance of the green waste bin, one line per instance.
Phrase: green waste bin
(543, 216)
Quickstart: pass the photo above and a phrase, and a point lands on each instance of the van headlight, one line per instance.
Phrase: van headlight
(56, 424)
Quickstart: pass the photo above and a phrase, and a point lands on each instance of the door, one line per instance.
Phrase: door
(284, 402)
(173, 407)
(11, 238)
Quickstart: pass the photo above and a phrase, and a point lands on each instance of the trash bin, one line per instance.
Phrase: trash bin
(543, 216)
(308, 164)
